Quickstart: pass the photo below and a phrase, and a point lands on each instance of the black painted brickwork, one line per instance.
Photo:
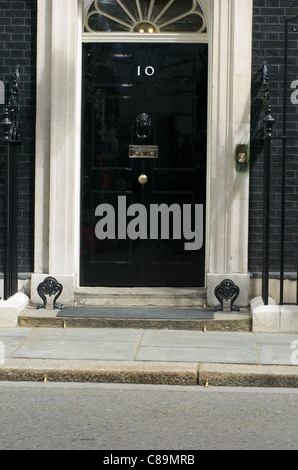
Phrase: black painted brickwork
(18, 47)
(268, 45)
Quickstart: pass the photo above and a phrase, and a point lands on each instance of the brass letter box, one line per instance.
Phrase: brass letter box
(143, 151)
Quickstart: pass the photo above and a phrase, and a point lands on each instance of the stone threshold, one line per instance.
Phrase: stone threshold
(222, 321)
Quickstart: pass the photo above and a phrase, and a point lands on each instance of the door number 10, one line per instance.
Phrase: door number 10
(149, 70)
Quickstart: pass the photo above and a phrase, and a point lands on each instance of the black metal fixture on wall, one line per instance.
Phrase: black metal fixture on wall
(242, 156)
(50, 286)
(226, 290)
(11, 140)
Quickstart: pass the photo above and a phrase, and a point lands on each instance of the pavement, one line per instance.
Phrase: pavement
(148, 356)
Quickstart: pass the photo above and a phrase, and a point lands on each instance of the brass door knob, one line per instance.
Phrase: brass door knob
(143, 179)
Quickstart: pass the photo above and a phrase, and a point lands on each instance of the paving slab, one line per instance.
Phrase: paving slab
(198, 346)
(197, 339)
(276, 348)
(12, 338)
(86, 334)
(275, 338)
(80, 344)
(77, 350)
(198, 354)
(275, 354)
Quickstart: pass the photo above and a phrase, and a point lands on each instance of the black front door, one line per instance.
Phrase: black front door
(144, 164)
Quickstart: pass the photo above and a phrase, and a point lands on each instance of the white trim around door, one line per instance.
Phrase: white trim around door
(58, 156)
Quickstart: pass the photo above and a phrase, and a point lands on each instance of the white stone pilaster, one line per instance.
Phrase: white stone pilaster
(43, 136)
(58, 140)
(65, 136)
(229, 125)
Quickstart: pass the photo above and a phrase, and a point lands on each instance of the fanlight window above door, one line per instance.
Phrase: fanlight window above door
(144, 16)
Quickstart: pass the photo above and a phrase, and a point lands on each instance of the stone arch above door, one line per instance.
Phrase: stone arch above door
(141, 16)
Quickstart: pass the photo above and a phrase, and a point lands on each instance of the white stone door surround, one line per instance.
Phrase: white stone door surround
(58, 156)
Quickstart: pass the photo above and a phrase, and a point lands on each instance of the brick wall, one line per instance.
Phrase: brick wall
(268, 45)
(18, 47)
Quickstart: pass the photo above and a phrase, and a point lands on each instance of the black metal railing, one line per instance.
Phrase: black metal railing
(285, 138)
(268, 122)
(11, 141)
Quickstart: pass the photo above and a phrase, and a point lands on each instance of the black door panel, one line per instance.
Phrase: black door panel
(168, 82)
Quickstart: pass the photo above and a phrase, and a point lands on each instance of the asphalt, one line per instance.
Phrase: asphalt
(148, 356)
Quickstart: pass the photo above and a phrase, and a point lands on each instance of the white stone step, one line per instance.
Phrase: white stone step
(141, 296)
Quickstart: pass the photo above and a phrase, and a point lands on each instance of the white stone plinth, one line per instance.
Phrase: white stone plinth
(273, 318)
(10, 309)
(241, 280)
(68, 282)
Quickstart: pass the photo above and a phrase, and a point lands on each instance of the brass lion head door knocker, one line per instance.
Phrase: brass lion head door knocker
(143, 126)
